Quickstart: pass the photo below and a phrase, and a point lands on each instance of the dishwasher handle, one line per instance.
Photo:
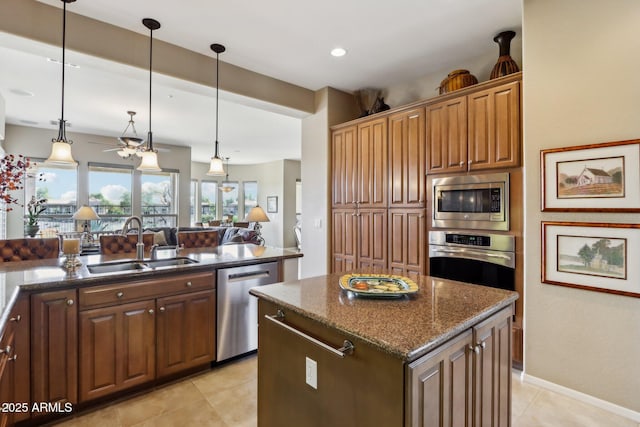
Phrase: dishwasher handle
(346, 349)
(257, 274)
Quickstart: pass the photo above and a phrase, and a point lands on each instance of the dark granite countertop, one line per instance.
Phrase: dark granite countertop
(48, 274)
(406, 328)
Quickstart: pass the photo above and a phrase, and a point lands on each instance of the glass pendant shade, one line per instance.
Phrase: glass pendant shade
(216, 167)
(149, 162)
(61, 154)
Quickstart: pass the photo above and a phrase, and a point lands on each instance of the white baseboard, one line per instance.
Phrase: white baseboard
(586, 398)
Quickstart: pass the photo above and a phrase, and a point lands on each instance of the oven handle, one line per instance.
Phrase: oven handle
(500, 258)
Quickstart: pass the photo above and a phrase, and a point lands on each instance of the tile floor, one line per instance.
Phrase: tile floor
(226, 397)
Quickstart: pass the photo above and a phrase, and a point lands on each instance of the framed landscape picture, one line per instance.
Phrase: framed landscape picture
(592, 178)
(595, 256)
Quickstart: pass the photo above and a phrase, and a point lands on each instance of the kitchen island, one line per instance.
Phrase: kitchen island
(441, 356)
(113, 326)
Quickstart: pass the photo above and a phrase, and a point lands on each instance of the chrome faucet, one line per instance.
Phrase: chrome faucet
(140, 244)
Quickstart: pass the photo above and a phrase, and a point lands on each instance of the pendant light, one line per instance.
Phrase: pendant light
(148, 154)
(215, 167)
(226, 186)
(61, 147)
(129, 143)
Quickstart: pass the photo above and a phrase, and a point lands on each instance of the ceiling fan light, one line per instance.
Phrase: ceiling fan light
(149, 162)
(216, 167)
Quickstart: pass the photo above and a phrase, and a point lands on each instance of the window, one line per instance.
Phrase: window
(192, 202)
(59, 186)
(229, 201)
(159, 199)
(208, 200)
(250, 196)
(110, 195)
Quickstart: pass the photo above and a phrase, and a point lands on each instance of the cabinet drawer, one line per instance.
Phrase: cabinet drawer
(135, 290)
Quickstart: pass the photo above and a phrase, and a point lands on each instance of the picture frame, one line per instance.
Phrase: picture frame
(591, 178)
(592, 256)
(272, 204)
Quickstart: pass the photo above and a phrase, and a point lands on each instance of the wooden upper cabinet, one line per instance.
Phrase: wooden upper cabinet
(344, 167)
(372, 164)
(407, 159)
(494, 127)
(447, 136)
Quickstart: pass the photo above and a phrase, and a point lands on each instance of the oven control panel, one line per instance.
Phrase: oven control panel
(468, 239)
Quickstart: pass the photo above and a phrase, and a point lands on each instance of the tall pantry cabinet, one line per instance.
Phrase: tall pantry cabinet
(378, 194)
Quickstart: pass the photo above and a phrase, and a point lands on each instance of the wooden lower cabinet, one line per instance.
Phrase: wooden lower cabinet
(407, 231)
(465, 382)
(54, 347)
(117, 348)
(185, 331)
(14, 365)
(359, 239)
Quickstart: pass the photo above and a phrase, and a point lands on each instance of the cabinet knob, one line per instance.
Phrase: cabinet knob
(470, 161)
(162, 309)
(475, 349)
(5, 350)
(70, 302)
(461, 163)
(189, 284)
(120, 294)
(14, 357)
(483, 344)
(16, 319)
(151, 311)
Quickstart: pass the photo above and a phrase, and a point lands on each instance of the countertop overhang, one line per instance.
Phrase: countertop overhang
(408, 327)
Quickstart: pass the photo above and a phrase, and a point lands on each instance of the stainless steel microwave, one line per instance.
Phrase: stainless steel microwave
(479, 202)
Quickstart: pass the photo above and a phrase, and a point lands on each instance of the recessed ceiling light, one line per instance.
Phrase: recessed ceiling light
(338, 52)
(21, 92)
(68, 64)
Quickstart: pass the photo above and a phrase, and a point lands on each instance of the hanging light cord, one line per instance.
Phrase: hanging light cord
(62, 133)
(150, 138)
(217, 88)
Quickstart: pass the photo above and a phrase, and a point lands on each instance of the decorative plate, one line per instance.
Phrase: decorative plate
(378, 285)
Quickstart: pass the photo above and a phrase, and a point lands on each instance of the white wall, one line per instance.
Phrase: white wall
(581, 86)
(36, 142)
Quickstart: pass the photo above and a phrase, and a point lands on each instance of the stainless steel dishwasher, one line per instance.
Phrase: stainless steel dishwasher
(237, 317)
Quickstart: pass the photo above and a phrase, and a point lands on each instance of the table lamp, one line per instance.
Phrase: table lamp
(257, 215)
(86, 214)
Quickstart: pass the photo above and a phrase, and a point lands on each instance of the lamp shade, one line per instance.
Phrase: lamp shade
(149, 162)
(85, 213)
(257, 214)
(216, 167)
(61, 154)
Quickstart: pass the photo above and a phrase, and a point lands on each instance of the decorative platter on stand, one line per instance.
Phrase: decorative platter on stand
(378, 285)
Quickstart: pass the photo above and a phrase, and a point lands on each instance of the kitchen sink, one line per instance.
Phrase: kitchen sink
(111, 267)
(131, 265)
(153, 263)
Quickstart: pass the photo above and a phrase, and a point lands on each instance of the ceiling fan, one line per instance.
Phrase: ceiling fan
(128, 144)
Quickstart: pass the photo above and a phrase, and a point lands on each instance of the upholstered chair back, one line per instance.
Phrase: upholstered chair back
(198, 239)
(118, 244)
(28, 249)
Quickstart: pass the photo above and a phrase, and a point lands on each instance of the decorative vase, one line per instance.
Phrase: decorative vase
(457, 79)
(31, 230)
(505, 65)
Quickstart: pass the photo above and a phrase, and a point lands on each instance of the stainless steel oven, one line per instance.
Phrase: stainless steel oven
(479, 258)
(479, 202)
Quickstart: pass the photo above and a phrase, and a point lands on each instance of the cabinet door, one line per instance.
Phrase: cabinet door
(372, 239)
(186, 331)
(344, 239)
(494, 127)
(447, 136)
(344, 168)
(117, 348)
(407, 236)
(407, 159)
(440, 386)
(492, 371)
(372, 164)
(54, 347)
